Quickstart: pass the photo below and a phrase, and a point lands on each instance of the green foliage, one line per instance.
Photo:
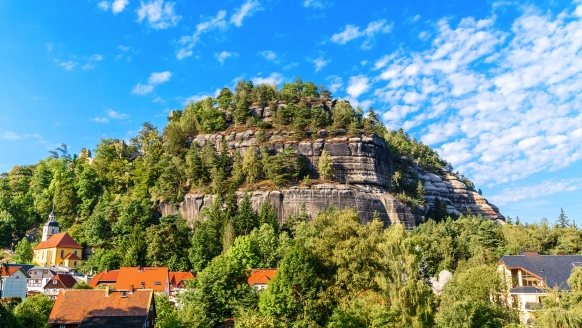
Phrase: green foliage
(82, 285)
(283, 167)
(324, 165)
(23, 252)
(34, 311)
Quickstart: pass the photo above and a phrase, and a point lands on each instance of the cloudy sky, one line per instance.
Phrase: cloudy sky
(495, 87)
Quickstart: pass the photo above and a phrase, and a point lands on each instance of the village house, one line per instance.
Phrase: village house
(103, 308)
(58, 282)
(57, 248)
(529, 276)
(13, 282)
(39, 276)
(155, 278)
(259, 278)
(178, 282)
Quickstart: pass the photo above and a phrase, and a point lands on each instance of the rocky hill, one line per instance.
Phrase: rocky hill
(362, 168)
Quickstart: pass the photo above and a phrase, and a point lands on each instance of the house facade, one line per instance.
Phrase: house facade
(13, 282)
(57, 283)
(39, 276)
(103, 308)
(529, 276)
(260, 278)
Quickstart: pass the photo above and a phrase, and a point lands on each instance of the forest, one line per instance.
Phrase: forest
(334, 271)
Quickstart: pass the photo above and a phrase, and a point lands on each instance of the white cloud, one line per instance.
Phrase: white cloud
(115, 115)
(273, 78)
(335, 83)
(189, 41)
(123, 48)
(161, 77)
(159, 15)
(103, 5)
(247, 9)
(49, 47)
(320, 63)
(413, 19)
(11, 135)
(91, 63)
(352, 32)
(223, 55)
(318, 4)
(545, 188)
(100, 120)
(154, 79)
(68, 65)
(357, 86)
(500, 104)
(269, 55)
(118, 6)
(142, 89)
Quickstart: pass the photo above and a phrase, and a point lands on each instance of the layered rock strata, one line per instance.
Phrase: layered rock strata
(362, 165)
(366, 199)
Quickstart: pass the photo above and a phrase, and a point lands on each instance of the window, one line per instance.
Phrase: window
(62, 253)
(157, 283)
(54, 282)
(528, 279)
(75, 263)
(75, 252)
(62, 326)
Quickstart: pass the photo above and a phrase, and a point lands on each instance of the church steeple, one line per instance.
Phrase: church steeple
(51, 227)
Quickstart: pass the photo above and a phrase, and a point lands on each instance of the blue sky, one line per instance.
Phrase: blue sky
(495, 87)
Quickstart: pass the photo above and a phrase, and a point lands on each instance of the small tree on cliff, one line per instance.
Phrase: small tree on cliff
(324, 165)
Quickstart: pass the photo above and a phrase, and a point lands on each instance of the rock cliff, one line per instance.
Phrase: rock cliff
(362, 167)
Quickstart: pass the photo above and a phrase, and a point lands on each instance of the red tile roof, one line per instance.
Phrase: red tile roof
(67, 280)
(177, 278)
(152, 278)
(72, 256)
(104, 277)
(261, 276)
(59, 240)
(11, 270)
(73, 305)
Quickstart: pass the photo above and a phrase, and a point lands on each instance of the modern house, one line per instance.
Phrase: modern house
(178, 282)
(259, 278)
(57, 283)
(13, 282)
(103, 308)
(57, 248)
(529, 276)
(155, 278)
(39, 276)
(105, 277)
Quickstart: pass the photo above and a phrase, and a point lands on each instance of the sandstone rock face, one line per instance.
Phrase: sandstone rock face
(366, 199)
(362, 165)
(455, 194)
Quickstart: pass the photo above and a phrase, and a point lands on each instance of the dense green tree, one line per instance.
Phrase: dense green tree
(246, 219)
(34, 311)
(23, 253)
(325, 165)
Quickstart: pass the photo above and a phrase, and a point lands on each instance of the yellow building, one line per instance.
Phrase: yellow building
(57, 248)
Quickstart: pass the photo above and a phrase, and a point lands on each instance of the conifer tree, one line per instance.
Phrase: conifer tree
(324, 165)
(563, 221)
(268, 216)
(246, 219)
(250, 165)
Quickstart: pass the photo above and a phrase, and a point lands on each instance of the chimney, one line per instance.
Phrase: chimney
(143, 285)
(105, 270)
(107, 290)
(131, 289)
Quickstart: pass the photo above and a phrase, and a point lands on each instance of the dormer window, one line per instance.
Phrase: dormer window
(157, 283)
(528, 279)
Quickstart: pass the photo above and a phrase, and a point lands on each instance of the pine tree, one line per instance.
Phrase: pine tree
(246, 219)
(250, 165)
(267, 215)
(420, 193)
(324, 165)
(563, 221)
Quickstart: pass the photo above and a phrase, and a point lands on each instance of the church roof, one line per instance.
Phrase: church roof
(59, 240)
(51, 223)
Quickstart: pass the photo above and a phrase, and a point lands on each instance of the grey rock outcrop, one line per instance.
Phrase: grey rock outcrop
(365, 199)
(361, 168)
(437, 284)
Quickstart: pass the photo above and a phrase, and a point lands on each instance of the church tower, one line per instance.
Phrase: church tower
(51, 227)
